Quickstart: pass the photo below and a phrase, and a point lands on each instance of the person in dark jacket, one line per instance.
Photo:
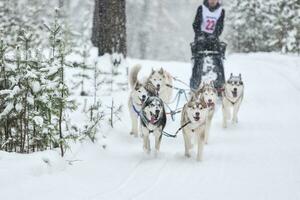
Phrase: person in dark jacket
(208, 26)
(209, 20)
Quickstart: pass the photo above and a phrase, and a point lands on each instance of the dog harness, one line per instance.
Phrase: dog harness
(210, 19)
(134, 108)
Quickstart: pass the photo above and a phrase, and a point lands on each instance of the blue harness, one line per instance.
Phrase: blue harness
(135, 109)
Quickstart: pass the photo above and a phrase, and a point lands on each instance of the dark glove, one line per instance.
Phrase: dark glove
(200, 38)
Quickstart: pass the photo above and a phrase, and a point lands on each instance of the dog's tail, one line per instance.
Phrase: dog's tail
(133, 75)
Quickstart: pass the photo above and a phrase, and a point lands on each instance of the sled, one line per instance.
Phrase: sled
(208, 57)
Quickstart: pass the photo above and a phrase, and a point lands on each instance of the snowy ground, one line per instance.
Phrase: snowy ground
(257, 159)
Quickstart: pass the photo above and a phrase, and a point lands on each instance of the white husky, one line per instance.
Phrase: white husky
(193, 121)
(160, 82)
(208, 94)
(233, 95)
(136, 99)
(153, 120)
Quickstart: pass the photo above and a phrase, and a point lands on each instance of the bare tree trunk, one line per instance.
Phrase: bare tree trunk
(109, 27)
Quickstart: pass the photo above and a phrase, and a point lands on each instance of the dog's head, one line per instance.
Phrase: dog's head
(234, 86)
(196, 111)
(139, 94)
(153, 109)
(158, 78)
(209, 94)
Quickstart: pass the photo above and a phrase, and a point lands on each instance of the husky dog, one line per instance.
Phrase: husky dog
(208, 94)
(160, 82)
(233, 95)
(153, 120)
(193, 122)
(137, 97)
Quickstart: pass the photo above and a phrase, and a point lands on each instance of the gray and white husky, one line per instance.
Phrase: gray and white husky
(193, 121)
(137, 97)
(152, 121)
(160, 82)
(208, 93)
(233, 95)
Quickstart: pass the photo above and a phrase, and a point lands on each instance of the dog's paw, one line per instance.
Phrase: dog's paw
(156, 153)
(147, 151)
(187, 155)
(199, 158)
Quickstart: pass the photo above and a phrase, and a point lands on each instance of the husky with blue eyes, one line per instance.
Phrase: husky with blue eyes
(152, 121)
(193, 123)
(160, 82)
(233, 95)
(137, 97)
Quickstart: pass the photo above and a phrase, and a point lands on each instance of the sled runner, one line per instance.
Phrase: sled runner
(207, 57)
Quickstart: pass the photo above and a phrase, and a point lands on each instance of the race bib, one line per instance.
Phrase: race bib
(210, 19)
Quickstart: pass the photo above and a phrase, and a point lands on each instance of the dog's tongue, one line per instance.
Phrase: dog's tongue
(152, 120)
(211, 104)
(234, 94)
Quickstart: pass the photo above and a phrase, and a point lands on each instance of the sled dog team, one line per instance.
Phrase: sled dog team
(148, 115)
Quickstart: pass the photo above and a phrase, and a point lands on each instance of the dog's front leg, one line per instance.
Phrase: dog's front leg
(158, 137)
(224, 110)
(146, 140)
(200, 138)
(134, 124)
(187, 143)
(236, 109)
(207, 128)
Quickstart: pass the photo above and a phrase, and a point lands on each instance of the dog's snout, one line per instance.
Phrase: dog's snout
(158, 85)
(144, 96)
(157, 112)
(209, 101)
(235, 89)
(197, 113)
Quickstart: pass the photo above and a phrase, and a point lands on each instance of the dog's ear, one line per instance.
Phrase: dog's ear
(152, 71)
(201, 86)
(193, 96)
(203, 103)
(138, 85)
(161, 71)
(240, 76)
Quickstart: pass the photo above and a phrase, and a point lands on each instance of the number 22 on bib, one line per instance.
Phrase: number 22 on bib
(210, 19)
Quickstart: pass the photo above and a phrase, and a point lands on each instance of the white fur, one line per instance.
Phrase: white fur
(162, 78)
(230, 103)
(195, 128)
(135, 97)
(150, 111)
(209, 96)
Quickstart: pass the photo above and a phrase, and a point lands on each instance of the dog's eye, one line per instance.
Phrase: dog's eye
(241, 83)
(155, 79)
(139, 91)
(160, 79)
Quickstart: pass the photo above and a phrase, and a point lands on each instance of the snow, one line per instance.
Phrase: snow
(38, 120)
(259, 158)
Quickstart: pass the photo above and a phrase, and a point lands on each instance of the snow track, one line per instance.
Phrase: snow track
(259, 158)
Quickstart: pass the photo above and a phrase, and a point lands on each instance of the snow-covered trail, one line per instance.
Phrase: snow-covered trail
(257, 159)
